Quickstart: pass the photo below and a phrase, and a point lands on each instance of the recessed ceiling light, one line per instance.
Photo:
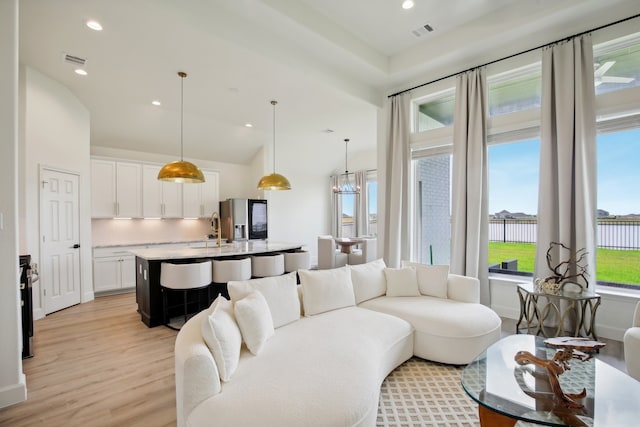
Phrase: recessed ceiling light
(248, 125)
(407, 4)
(94, 25)
(81, 72)
(156, 103)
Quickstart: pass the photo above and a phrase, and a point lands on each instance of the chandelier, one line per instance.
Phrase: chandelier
(344, 184)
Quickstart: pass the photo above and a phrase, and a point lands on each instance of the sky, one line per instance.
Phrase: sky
(513, 174)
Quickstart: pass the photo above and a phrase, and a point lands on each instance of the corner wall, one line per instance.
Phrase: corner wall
(55, 132)
(12, 380)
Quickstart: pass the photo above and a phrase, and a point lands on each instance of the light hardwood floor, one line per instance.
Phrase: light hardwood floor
(97, 364)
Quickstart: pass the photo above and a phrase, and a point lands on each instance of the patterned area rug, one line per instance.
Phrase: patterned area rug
(422, 393)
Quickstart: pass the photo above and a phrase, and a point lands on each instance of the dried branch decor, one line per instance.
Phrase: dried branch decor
(569, 270)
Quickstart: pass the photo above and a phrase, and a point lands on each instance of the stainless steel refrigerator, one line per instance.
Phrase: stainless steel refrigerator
(244, 219)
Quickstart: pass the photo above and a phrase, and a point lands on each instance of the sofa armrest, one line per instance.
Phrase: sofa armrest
(196, 373)
(463, 288)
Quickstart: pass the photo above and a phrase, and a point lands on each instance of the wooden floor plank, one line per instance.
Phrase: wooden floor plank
(97, 364)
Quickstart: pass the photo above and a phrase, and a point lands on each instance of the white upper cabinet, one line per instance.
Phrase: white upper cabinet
(129, 189)
(116, 189)
(160, 199)
(200, 200)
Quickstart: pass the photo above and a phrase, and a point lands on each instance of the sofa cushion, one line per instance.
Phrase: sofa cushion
(368, 280)
(222, 335)
(446, 331)
(401, 282)
(326, 290)
(432, 279)
(254, 319)
(279, 291)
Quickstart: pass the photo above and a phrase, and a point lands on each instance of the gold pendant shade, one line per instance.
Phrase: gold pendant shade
(181, 171)
(274, 181)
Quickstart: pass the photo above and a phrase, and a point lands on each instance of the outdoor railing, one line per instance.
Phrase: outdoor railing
(612, 233)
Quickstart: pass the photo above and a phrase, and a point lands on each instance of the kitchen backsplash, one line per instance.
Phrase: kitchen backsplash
(133, 231)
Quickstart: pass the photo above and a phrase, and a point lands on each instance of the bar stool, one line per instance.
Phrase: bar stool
(182, 278)
(298, 260)
(267, 265)
(225, 270)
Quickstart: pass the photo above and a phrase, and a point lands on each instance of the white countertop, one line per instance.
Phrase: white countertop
(227, 249)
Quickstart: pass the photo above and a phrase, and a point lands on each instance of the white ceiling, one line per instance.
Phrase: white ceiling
(329, 63)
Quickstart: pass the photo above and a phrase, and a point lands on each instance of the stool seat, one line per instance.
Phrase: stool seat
(225, 270)
(267, 265)
(294, 261)
(183, 277)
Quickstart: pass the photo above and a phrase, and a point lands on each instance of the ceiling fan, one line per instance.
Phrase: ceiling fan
(599, 75)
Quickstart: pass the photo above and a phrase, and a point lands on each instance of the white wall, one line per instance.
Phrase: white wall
(54, 133)
(12, 380)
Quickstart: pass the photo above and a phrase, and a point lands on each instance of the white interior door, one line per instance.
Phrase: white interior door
(59, 225)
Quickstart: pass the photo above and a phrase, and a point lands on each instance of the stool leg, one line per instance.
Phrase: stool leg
(164, 306)
(185, 305)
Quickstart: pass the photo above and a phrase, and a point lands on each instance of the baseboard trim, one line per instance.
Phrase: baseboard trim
(14, 393)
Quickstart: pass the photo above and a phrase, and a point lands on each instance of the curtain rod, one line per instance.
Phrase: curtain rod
(516, 54)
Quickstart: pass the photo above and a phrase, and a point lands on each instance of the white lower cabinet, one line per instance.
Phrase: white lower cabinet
(113, 270)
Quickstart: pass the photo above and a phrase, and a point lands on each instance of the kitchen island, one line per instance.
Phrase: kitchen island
(148, 261)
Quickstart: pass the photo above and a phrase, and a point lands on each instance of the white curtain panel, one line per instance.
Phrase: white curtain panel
(396, 223)
(567, 186)
(336, 206)
(362, 223)
(469, 222)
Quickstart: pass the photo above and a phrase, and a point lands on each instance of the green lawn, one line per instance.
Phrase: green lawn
(611, 265)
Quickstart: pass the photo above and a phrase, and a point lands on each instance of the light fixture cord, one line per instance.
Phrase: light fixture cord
(182, 76)
(346, 147)
(274, 135)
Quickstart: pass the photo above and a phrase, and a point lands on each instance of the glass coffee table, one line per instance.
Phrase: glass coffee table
(507, 392)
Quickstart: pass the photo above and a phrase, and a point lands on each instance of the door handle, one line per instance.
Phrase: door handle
(76, 246)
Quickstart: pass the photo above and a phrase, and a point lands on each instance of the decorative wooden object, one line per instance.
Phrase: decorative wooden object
(568, 348)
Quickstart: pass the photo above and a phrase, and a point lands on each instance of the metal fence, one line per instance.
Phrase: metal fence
(612, 233)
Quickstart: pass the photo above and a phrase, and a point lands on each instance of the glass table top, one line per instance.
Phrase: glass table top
(497, 382)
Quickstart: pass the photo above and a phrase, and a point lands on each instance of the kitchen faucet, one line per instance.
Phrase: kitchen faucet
(216, 228)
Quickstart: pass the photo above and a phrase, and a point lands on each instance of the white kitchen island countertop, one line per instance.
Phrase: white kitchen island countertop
(208, 250)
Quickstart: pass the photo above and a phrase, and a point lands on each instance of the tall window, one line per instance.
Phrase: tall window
(618, 253)
(513, 204)
(347, 220)
(433, 209)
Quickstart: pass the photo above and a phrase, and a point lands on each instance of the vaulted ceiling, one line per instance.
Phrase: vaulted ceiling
(329, 63)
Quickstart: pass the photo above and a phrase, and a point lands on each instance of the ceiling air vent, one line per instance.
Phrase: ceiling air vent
(423, 30)
(74, 59)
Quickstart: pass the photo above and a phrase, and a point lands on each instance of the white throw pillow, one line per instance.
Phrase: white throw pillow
(254, 319)
(368, 280)
(280, 292)
(326, 290)
(222, 335)
(401, 282)
(432, 279)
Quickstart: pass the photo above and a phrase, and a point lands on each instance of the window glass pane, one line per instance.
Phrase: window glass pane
(618, 254)
(433, 175)
(617, 64)
(513, 203)
(436, 112)
(515, 90)
(372, 213)
(347, 220)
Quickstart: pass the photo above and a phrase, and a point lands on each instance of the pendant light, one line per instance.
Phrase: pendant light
(275, 181)
(181, 171)
(344, 185)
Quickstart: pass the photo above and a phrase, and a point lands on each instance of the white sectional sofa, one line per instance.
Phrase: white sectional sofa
(279, 354)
